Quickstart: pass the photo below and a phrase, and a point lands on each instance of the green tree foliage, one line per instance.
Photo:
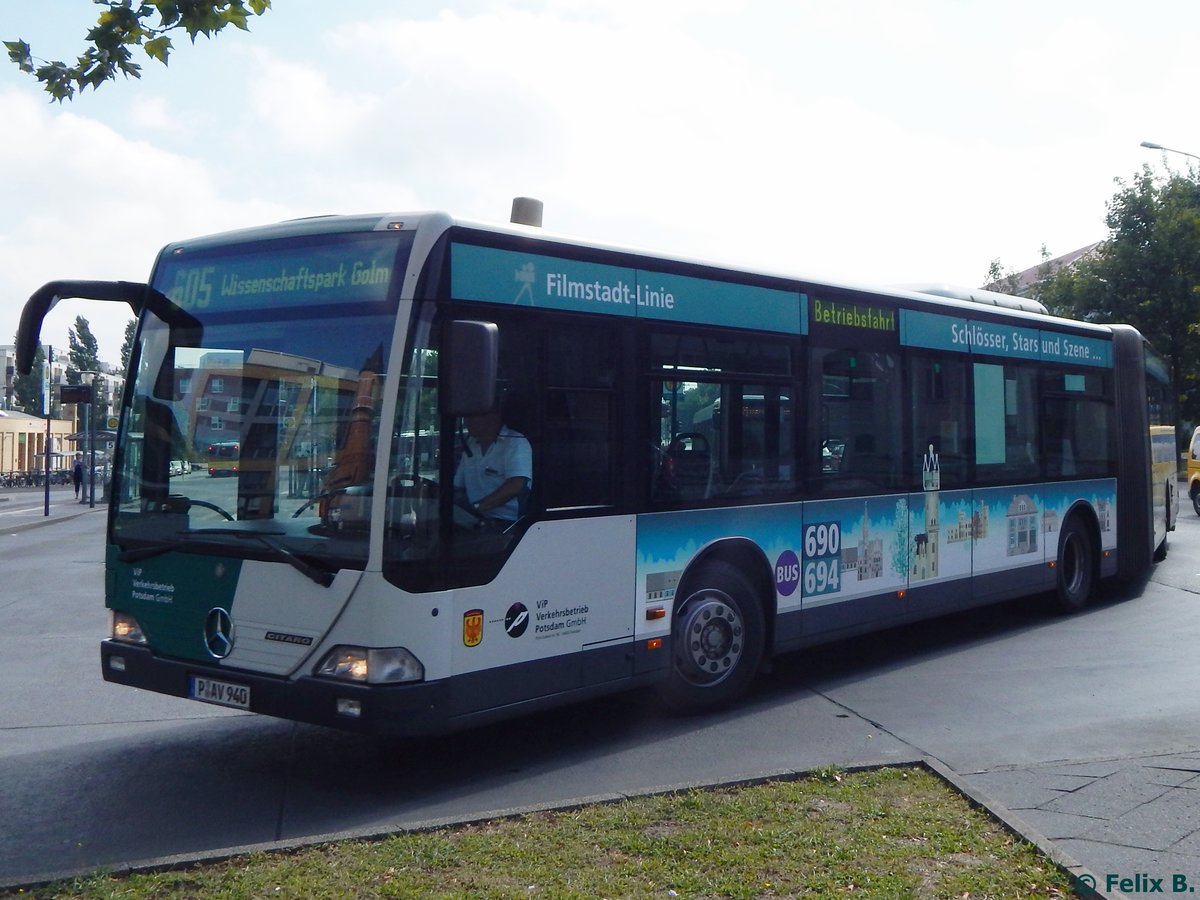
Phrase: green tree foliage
(1147, 273)
(1006, 281)
(1010, 281)
(691, 399)
(901, 546)
(27, 389)
(84, 354)
(84, 351)
(126, 24)
(127, 344)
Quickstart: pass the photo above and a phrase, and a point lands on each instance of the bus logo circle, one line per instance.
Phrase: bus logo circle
(218, 633)
(516, 620)
(787, 573)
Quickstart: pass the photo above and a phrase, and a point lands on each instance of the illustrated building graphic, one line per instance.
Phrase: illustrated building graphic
(1023, 520)
(925, 545)
(974, 528)
(924, 562)
(865, 560)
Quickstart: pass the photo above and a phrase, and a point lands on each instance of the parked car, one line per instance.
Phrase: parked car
(181, 467)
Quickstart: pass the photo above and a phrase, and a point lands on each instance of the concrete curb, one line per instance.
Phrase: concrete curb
(1082, 880)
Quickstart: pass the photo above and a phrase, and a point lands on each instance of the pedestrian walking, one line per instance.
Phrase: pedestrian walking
(77, 474)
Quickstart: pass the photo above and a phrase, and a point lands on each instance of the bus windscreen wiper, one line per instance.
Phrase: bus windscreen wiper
(320, 576)
(141, 553)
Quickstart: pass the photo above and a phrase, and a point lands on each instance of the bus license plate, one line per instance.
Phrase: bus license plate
(221, 693)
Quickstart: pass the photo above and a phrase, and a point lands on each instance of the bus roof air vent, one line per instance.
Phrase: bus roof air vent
(977, 295)
(526, 211)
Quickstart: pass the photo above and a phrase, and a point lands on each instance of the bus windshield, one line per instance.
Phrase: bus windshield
(273, 389)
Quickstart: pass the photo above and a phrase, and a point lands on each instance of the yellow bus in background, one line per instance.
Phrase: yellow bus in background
(223, 458)
(1193, 470)
(1164, 473)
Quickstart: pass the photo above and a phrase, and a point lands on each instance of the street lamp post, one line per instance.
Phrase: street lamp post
(47, 378)
(91, 432)
(1149, 145)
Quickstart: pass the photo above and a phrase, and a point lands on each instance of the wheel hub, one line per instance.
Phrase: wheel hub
(712, 638)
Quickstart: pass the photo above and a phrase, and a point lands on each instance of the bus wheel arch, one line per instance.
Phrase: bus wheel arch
(721, 627)
(1078, 567)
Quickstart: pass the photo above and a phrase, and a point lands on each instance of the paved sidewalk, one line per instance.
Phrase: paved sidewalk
(1131, 823)
(63, 508)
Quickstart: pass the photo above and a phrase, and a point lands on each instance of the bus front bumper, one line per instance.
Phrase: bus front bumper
(401, 709)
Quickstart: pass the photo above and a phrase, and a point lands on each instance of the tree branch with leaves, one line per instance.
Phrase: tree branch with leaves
(1146, 273)
(123, 26)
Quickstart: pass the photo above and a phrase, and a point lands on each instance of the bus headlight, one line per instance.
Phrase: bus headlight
(125, 628)
(386, 665)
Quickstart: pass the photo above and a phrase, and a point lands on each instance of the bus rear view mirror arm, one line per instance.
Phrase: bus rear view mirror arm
(137, 294)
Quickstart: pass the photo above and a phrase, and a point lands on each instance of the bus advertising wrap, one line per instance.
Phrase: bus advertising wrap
(937, 332)
(828, 551)
(547, 282)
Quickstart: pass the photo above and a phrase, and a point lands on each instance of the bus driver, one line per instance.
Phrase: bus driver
(495, 469)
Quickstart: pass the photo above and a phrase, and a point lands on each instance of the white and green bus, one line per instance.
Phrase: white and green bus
(727, 465)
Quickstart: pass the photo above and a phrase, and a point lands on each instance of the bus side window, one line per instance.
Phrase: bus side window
(753, 436)
(1079, 432)
(726, 437)
(859, 429)
(1007, 444)
(577, 465)
(683, 467)
(941, 418)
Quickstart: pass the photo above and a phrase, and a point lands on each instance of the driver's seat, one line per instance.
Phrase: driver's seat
(690, 462)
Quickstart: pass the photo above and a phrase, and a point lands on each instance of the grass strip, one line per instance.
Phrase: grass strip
(884, 833)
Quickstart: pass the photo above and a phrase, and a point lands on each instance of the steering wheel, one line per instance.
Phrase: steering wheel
(192, 501)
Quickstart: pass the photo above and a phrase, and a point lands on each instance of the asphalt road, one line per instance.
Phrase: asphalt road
(1086, 726)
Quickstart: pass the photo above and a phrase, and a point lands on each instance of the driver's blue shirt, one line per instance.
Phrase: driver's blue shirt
(480, 473)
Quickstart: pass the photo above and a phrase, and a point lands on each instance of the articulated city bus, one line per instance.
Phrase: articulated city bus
(726, 465)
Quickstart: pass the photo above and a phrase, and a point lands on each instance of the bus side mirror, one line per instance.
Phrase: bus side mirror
(468, 367)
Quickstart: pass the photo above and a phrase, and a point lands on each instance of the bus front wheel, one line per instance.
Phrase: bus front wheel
(1076, 566)
(716, 641)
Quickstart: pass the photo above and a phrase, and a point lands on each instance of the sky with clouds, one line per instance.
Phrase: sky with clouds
(871, 142)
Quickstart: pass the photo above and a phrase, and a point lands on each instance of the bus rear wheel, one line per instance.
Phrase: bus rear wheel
(716, 641)
(1076, 566)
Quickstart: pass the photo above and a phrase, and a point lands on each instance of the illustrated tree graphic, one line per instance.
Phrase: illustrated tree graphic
(901, 545)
